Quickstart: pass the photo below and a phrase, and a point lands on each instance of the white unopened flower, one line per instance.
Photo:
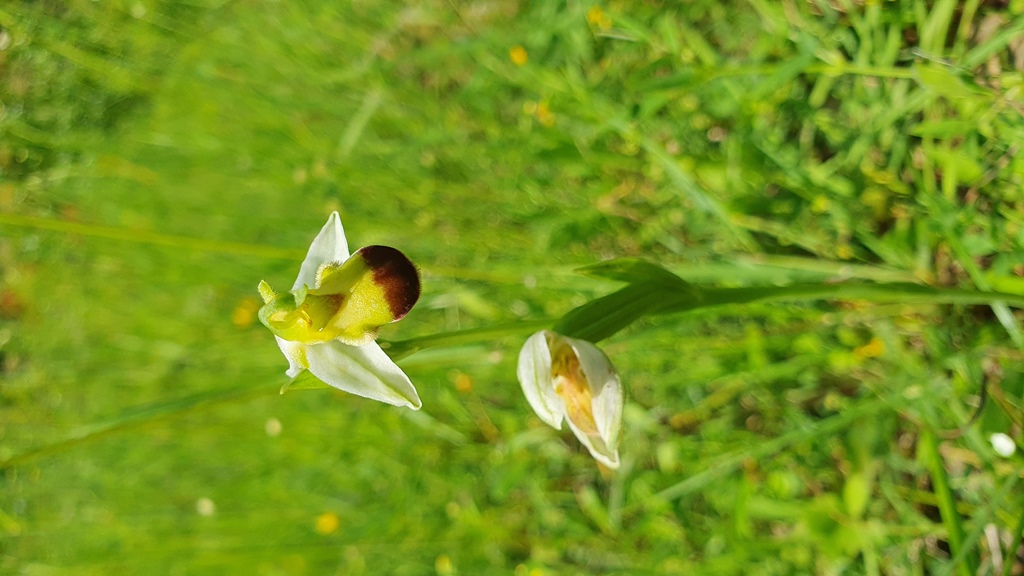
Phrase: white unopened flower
(1002, 444)
(568, 379)
(328, 322)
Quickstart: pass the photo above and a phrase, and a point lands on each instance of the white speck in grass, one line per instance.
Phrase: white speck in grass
(530, 282)
(138, 11)
(912, 392)
(519, 308)
(273, 427)
(205, 507)
(1002, 444)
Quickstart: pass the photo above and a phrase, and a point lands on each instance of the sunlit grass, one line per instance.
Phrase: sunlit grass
(158, 159)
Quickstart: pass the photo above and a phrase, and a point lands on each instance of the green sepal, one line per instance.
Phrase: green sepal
(266, 292)
(304, 381)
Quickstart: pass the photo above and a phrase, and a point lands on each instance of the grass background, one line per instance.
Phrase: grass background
(158, 159)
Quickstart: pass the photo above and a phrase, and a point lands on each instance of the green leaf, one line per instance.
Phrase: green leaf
(954, 159)
(650, 288)
(943, 80)
(604, 316)
(600, 318)
(632, 271)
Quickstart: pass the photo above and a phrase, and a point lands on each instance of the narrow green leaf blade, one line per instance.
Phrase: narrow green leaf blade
(632, 271)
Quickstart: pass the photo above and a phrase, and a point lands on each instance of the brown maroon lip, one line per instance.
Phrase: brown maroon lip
(396, 275)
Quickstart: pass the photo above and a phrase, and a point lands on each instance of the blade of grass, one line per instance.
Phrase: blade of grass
(929, 449)
(140, 417)
(732, 462)
(1000, 309)
(980, 521)
(895, 292)
(204, 245)
(1011, 549)
(999, 41)
(357, 125)
(147, 237)
(699, 196)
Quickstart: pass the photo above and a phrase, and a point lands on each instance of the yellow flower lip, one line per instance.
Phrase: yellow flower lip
(571, 384)
(396, 276)
(350, 301)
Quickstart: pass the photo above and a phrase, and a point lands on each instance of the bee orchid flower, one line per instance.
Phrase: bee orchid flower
(568, 379)
(328, 322)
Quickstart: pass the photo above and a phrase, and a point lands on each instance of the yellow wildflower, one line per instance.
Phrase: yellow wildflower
(518, 55)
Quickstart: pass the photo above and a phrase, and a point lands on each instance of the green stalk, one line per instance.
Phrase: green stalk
(400, 349)
(894, 292)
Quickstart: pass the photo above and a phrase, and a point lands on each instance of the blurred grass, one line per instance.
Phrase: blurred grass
(157, 159)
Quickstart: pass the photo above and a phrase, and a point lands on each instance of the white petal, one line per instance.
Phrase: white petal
(293, 351)
(362, 370)
(534, 373)
(328, 246)
(609, 456)
(605, 390)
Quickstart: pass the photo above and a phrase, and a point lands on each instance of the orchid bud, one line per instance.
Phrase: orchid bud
(569, 379)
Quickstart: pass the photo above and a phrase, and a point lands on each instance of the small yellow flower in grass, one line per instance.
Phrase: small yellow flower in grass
(463, 383)
(244, 313)
(544, 115)
(820, 204)
(568, 379)
(518, 55)
(327, 523)
(444, 566)
(328, 322)
(598, 18)
(872, 349)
